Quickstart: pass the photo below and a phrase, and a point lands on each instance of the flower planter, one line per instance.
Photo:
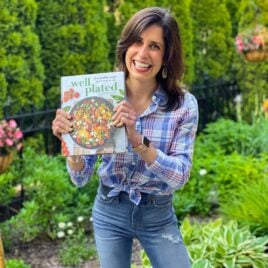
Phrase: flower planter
(10, 141)
(5, 161)
(253, 44)
(256, 55)
(2, 259)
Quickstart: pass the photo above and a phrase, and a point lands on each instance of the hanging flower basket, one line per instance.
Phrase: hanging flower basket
(10, 141)
(257, 55)
(5, 161)
(253, 44)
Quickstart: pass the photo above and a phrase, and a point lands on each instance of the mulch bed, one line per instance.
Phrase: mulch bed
(44, 254)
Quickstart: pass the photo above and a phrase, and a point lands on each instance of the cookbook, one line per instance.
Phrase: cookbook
(90, 100)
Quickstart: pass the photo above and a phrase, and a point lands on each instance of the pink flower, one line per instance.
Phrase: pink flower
(258, 40)
(10, 136)
(239, 41)
(251, 39)
(18, 134)
(9, 142)
(10, 133)
(12, 123)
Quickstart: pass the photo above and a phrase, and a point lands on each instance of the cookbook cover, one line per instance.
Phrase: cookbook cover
(90, 99)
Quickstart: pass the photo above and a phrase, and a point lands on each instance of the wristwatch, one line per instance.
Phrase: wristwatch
(75, 158)
(144, 146)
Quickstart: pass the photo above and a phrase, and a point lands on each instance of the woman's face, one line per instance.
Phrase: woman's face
(144, 58)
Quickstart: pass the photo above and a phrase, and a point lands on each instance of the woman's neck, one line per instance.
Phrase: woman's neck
(140, 93)
(140, 89)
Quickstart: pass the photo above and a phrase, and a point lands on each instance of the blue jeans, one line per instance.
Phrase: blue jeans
(116, 221)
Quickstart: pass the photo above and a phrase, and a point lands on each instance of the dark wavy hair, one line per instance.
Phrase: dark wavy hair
(173, 57)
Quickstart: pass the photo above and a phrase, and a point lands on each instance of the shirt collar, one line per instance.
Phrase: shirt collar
(160, 96)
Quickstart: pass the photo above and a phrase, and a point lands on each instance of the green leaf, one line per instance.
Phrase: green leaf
(229, 262)
(216, 224)
(201, 263)
(221, 250)
(244, 260)
(260, 263)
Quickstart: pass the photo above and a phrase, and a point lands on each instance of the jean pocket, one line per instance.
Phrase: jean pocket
(162, 201)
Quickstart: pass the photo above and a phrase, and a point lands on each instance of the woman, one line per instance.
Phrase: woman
(134, 198)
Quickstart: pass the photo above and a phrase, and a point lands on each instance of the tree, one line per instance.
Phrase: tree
(73, 34)
(21, 69)
(213, 43)
(232, 7)
(181, 11)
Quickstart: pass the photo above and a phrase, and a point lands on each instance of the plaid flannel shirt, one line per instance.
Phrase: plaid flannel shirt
(172, 134)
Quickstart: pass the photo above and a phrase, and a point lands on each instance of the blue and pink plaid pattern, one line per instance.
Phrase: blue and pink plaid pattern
(171, 133)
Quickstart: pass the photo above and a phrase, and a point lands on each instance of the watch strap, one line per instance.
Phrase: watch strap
(142, 147)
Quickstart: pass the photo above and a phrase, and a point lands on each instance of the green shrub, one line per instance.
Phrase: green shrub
(234, 171)
(227, 155)
(16, 263)
(47, 192)
(215, 245)
(51, 199)
(215, 177)
(76, 249)
(249, 206)
(7, 188)
(36, 142)
(231, 136)
(194, 197)
(9, 179)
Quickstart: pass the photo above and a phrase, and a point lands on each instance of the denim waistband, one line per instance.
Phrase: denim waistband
(145, 197)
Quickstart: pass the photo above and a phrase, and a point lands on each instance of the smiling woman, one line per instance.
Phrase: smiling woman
(134, 199)
(144, 58)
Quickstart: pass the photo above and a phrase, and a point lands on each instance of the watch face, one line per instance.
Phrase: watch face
(142, 147)
(146, 142)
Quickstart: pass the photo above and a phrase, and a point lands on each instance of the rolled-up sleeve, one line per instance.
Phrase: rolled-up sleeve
(81, 177)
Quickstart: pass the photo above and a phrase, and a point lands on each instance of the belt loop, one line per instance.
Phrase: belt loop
(104, 189)
(148, 198)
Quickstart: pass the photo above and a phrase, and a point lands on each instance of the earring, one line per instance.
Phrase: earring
(164, 72)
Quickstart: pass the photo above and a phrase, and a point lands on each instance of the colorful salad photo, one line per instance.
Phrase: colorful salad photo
(92, 119)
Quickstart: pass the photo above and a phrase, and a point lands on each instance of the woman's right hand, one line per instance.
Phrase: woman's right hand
(62, 123)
